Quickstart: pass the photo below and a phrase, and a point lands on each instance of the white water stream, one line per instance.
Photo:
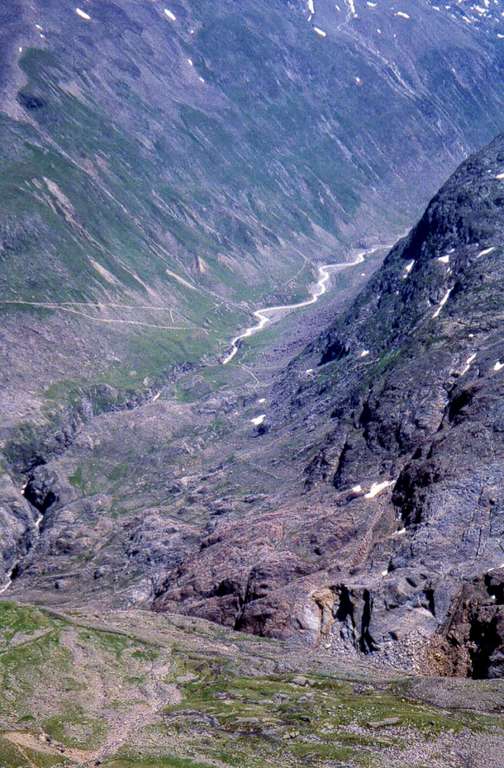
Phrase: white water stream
(268, 314)
(8, 583)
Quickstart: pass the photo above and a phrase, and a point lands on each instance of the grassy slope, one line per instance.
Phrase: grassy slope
(178, 693)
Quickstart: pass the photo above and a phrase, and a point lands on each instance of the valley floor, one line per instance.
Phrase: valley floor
(132, 689)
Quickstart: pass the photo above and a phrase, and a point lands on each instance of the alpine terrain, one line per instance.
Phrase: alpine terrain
(252, 383)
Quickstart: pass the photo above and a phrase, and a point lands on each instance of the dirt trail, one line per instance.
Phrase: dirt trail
(23, 741)
(121, 730)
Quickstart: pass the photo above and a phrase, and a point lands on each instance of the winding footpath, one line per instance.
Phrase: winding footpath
(268, 314)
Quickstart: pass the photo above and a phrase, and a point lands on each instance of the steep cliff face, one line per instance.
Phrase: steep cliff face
(403, 490)
(427, 420)
(470, 642)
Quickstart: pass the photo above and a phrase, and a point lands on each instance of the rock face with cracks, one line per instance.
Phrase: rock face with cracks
(403, 496)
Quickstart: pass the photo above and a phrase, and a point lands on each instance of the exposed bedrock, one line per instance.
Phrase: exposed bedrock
(399, 440)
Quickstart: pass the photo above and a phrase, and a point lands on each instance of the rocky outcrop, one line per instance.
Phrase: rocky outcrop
(470, 643)
(17, 527)
(402, 494)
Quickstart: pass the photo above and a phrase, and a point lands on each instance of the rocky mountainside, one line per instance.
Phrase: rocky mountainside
(164, 169)
(357, 526)
(251, 452)
(351, 500)
(402, 505)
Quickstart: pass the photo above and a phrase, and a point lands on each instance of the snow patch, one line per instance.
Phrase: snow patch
(408, 268)
(378, 488)
(442, 303)
(38, 522)
(169, 14)
(364, 353)
(498, 366)
(486, 251)
(470, 360)
(6, 585)
(351, 5)
(402, 15)
(258, 420)
(444, 259)
(83, 14)
(320, 32)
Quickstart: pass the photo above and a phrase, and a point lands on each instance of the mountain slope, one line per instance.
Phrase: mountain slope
(131, 689)
(402, 501)
(364, 511)
(164, 169)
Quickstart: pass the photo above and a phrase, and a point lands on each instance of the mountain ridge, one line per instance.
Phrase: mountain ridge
(377, 457)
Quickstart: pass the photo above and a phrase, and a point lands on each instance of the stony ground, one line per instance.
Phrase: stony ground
(132, 689)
